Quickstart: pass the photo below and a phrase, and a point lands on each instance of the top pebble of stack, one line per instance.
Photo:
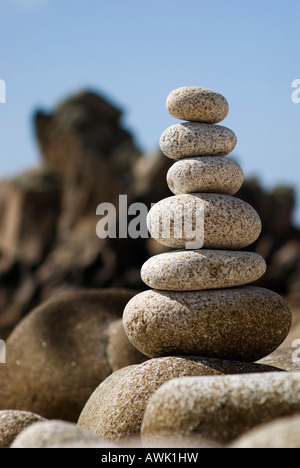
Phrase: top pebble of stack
(197, 105)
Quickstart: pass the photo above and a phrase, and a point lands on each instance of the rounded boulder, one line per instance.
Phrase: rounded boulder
(242, 324)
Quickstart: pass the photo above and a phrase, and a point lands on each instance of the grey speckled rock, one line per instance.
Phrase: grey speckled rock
(12, 423)
(191, 441)
(221, 408)
(61, 351)
(205, 174)
(229, 223)
(279, 434)
(197, 104)
(55, 434)
(287, 359)
(89, 418)
(194, 270)
(196, 139)
(116, 410)
(243, 324)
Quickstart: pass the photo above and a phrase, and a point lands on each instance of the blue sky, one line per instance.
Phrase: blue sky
(136, 52)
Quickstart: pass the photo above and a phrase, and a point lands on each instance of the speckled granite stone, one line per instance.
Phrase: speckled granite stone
(90, 413)
(221, 408)
(12, 423)
(229, 223)
(205, 174)
(195, 139)
(54, 434)
(279, 434)
(197, 104)
(191, 441)
(117, 412)
(243, 324)
(194, 270)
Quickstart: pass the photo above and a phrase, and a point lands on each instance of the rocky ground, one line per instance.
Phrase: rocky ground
(63, 291)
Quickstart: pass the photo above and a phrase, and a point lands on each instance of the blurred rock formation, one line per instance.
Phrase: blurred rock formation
(48, 218)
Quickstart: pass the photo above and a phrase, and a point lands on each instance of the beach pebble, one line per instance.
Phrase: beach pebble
(205, 175)
(194, 270)
(191, 441)
(89, 418)
(212, 221)
(115, 411)
(197, 104)
(60, 349)
(196, 139)
(221, 408)
(12, 423)
(243, 324)
(279, 434)
(54, 434)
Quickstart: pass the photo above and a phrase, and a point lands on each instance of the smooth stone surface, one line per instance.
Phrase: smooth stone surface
(197, 104)
(115, 411)
(229, 223)
(90, 415)
(120, 352)
(196, 139)
(191, 441)
(221, 408)
(287, 359)
(17, 389)
(60, 349)
(205, 175)
(55, 434)
(12, 423)
(194, 270)
(279, 434)
(242, 324)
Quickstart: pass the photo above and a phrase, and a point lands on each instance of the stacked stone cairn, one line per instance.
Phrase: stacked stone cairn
(200, 303)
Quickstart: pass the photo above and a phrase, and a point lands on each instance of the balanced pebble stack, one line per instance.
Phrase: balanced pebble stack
(200, 304)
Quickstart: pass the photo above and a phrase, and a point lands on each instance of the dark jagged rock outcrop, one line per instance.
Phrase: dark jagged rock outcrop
(48, 220)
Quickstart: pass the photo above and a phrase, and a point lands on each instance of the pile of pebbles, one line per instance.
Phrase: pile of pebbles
(200, 328)
(201, 324)
(200, 303)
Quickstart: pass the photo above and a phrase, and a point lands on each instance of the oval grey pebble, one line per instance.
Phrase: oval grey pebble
(221, 408)
(229, 223)
(205, 174)
(53, 434)
(278, 434)
(195, 139)
(194, 270)
(241, 324)
(115, 410)
(12, 423)
(197, 104)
